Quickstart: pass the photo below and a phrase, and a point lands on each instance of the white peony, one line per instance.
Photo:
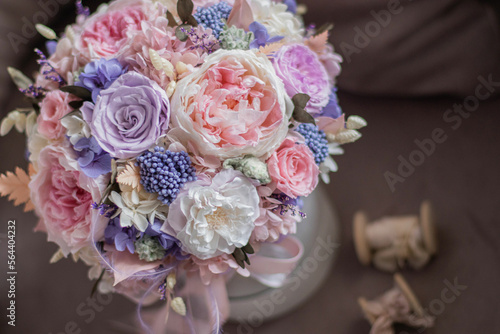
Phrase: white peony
(277, 20)
(214, 216)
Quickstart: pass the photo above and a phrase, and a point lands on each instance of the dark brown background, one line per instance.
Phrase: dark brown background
(424, 62)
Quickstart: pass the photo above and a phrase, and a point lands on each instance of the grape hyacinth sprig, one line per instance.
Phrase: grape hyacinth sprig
(165, 173)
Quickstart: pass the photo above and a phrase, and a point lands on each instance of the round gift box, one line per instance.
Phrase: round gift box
(252, 302)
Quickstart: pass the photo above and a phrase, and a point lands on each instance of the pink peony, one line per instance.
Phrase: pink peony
(62, 197)
(233, 105)
(53, 107)
(217, 265)
(157, 35)
(293, 169)
(105, 34)
(271, 224)
(302, 72)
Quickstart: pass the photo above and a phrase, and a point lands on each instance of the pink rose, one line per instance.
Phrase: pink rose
(62, 197)
(105, 34)
(54, 106)
(233, 105)
(293, 169)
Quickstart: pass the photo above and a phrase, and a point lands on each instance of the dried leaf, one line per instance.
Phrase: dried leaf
(130, 176)
(172, 23)
(323, 28)
(21, 81)
(299, 113)
(192, 21)
(15, 186)
(317, 43)
(270, 49)
(185, 9)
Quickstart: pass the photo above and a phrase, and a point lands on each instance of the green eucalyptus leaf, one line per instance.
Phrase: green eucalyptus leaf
(78, 91)
(185, 9)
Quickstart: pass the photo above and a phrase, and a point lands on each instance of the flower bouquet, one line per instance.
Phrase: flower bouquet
(168, 141)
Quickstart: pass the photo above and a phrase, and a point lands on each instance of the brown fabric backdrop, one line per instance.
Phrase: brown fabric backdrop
(461, 178)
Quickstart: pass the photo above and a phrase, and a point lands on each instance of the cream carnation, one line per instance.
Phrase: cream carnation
(277, 20)
(214, 216)
(233, 105)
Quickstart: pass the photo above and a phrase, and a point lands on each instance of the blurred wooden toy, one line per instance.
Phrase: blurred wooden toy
(392, 242)
(398, 305)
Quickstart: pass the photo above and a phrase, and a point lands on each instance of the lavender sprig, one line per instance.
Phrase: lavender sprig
(106, 210)
(33, 91)
(288, 205)
(201, 41)
(50, 72)
(80, 9)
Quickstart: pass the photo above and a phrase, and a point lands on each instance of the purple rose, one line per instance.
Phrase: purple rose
(302, 72)
(129, 116)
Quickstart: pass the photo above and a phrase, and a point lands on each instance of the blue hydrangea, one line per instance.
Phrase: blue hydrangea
(213, 17)
(316, 140)
(332, 109)
(165, 172)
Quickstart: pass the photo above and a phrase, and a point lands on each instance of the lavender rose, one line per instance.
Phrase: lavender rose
(302, 72)
(129, 116)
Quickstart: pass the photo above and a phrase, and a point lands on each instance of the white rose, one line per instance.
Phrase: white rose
(214, 216)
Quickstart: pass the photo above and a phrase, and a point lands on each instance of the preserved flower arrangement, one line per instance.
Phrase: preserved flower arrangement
(169, 140)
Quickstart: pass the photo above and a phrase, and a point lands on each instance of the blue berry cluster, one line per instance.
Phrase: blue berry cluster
(316, 140)
(165, 172)
(212, 17)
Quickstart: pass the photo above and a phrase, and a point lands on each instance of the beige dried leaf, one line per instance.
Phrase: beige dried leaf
(130, 176)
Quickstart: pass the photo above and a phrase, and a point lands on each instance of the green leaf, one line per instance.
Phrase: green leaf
(185, 9)
(248, 249)
(78, 91)
(172, 23)
(76, 104)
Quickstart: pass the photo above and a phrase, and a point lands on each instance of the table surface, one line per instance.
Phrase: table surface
(461, 178)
